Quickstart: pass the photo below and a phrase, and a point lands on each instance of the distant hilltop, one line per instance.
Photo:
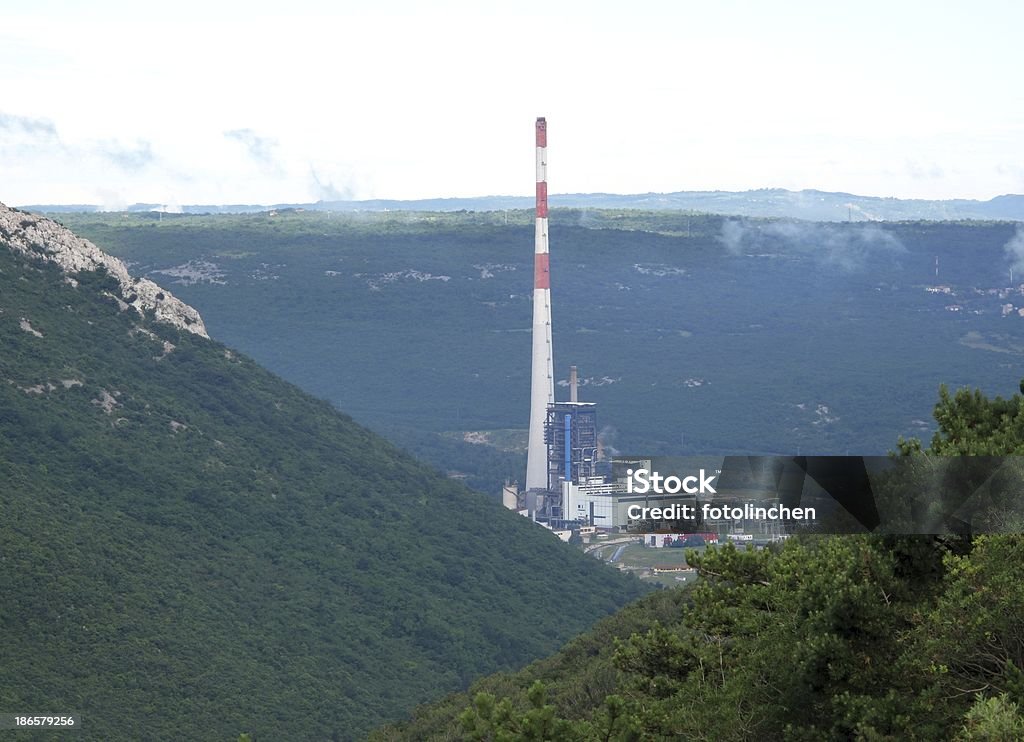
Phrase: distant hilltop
(769, 202)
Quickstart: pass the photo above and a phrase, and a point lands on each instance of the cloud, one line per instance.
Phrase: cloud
(1012, 170)
(36, 128)
(846, 247)
(131, 159)
(924, 171)
(260, 149)
(326, 191)
(25, 139)
(25, 133)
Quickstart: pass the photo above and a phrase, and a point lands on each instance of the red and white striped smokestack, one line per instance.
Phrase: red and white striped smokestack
(542, 384)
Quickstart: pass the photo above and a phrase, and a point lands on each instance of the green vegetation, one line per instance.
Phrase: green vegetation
(805, 338)
(195, 548)
(576, 679)
(825, 638)
(192, 548)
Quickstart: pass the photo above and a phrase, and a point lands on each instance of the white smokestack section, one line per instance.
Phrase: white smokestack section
(574, 384)
(542, 385)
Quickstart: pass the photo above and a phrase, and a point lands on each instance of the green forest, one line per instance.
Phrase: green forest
(694, 333)
(193, 548)
(824, 638)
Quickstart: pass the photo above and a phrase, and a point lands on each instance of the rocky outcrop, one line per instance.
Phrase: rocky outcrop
(44, 239)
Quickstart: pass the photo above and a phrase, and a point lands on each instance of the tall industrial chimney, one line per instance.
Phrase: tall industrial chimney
(542, 384)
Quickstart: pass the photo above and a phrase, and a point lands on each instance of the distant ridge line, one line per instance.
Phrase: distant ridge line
(767, 202)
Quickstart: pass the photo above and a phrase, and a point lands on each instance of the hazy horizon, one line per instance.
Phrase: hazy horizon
(114, 104)
(527, 199)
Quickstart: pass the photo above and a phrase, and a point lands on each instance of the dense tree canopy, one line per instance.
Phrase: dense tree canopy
(191, 547)
(826, 638)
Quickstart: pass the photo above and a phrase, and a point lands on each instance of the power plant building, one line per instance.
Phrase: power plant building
(564, 483)
(595, 501)
(570, 434)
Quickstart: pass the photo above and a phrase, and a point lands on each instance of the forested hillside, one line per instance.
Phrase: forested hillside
(192, 548)
(826, 638)
(694, 333)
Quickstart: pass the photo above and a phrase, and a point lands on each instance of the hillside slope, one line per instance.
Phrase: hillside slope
(866, 637)
(838, 638)
(193, 548)
(661, 312)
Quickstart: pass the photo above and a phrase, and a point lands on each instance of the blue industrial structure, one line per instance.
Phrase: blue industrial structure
(571, 436)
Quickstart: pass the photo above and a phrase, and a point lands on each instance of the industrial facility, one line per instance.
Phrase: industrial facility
(568, 485)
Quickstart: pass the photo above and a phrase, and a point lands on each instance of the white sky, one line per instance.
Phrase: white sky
(258, 102)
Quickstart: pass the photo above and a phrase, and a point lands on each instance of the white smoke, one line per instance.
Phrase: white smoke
(111, 200)
(845, 247)
(1014, 250)
(606, 440)
(587, 219)
(732, 236)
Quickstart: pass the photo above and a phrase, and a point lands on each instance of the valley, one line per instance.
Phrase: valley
(694, 333)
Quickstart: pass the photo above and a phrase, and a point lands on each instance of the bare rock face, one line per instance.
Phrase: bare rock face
(42, 238)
